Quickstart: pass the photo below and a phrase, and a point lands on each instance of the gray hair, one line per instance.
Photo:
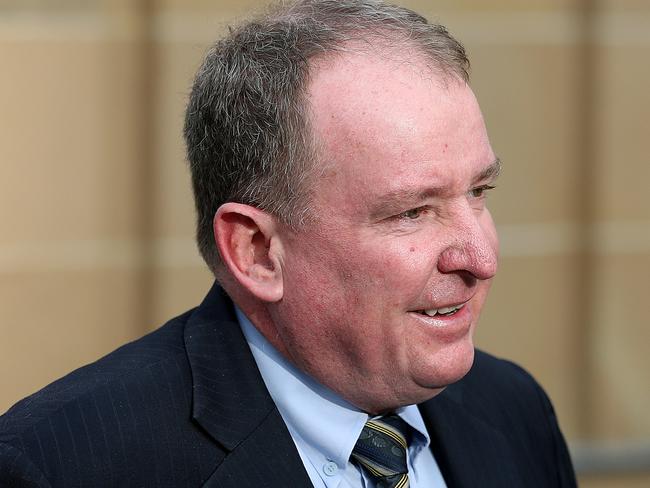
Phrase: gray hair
(247, 128)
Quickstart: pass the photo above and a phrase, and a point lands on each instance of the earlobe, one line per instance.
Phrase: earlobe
(250, 249)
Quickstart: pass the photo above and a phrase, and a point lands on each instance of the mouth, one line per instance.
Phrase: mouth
(443, 312)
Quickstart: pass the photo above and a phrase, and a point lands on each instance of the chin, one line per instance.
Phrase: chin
(449, 366)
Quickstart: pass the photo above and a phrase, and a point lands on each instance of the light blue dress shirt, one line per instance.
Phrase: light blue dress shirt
(325, 427)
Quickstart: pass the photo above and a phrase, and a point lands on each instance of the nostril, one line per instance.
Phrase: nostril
(468, 278)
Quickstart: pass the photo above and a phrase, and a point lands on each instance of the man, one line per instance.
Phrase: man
(340, 166)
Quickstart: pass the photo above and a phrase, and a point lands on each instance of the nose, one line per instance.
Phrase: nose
(472, 249)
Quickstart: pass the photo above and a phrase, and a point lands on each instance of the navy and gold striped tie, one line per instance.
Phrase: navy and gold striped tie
(381, 451)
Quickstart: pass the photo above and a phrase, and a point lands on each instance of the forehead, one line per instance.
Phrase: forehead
(382, 124)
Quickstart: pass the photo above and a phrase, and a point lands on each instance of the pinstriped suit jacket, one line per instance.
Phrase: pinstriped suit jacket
(185, 406)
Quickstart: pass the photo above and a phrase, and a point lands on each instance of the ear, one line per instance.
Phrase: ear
(250, 248)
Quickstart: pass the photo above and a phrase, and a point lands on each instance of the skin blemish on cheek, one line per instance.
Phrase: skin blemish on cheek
(444, 149)
(412, 249)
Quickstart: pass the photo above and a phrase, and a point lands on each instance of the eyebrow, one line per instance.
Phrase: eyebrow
(490, 173)
(395, 200)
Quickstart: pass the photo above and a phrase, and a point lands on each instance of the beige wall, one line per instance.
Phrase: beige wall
(96, 239)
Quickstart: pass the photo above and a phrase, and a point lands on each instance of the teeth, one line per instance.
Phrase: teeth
(447, 310)
(443, 311)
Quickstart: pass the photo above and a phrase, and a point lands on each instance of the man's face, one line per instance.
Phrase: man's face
(383, 290)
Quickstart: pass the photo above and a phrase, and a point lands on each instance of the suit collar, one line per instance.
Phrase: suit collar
(231, 403)
(229, 397)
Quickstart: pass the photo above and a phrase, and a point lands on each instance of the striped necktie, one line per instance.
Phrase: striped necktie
(381, 451)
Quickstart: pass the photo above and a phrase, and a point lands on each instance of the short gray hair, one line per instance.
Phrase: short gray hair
(247, 128)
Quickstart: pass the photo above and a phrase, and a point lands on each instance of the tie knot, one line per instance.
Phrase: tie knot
(381, 450)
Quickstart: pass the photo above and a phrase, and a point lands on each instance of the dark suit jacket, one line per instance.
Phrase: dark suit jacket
(185, 406)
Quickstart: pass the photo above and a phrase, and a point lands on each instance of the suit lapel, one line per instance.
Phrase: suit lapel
(231, 403)
(267, 458)
(470, 452)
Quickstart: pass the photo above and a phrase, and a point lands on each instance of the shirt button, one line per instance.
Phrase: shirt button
(330, 468)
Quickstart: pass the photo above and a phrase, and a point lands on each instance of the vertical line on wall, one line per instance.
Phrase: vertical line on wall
(145, 66)
(586, 98)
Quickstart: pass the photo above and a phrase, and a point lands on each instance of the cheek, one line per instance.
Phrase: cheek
(383, 263)
(362, 273)
(411, 259)
(392, 275)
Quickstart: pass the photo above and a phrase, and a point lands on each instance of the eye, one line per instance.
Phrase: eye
(412, 214)
(480, 191)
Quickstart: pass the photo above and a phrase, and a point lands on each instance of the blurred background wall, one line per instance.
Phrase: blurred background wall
(96, 233)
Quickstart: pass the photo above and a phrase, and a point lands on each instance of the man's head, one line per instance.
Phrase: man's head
(376, 287)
